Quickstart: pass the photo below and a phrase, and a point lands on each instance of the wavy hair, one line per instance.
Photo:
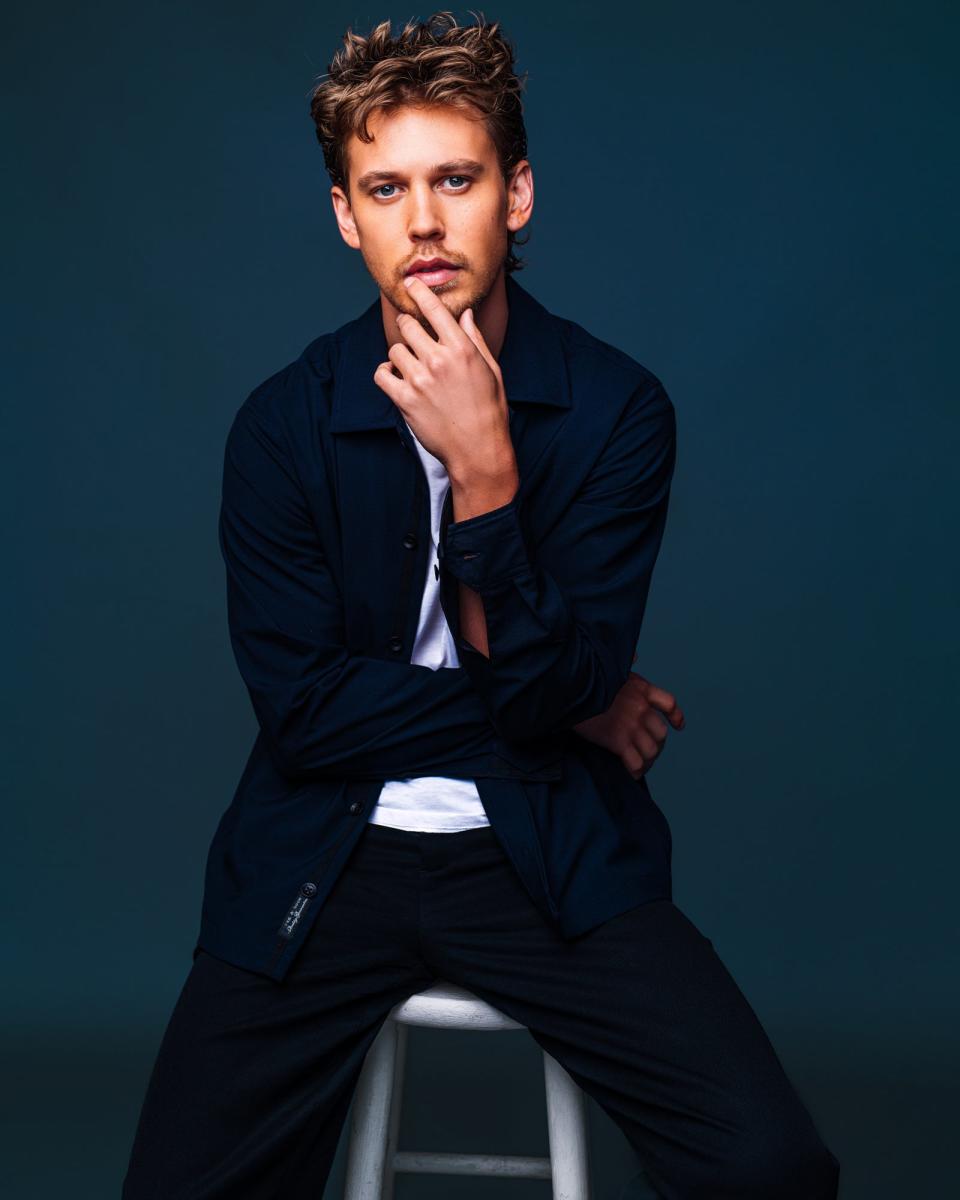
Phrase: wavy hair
(435, 61)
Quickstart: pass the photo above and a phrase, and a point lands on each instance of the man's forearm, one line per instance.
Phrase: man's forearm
(472, 621)
(562, 622)
(471, 500)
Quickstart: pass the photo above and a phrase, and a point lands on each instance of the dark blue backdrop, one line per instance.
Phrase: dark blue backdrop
(752, 199)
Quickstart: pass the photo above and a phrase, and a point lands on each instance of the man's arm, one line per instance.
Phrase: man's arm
(323, 711)
(561, 626)
(467, 503)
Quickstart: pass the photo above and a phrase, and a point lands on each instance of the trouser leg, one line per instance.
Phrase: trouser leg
(254, 1077)
(646, 1018)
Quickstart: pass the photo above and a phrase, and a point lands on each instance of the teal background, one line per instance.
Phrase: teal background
(751, 199)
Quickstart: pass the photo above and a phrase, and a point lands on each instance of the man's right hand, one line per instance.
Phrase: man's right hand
(632, 727)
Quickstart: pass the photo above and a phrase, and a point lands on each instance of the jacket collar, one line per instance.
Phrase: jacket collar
(531, 361)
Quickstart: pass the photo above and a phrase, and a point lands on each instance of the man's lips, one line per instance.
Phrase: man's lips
(430, 264)
(433, 271)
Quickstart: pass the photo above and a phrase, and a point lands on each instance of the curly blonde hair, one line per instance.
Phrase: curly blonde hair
(435, 61)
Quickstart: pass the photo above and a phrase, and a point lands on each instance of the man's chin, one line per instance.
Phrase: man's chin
(455, 305)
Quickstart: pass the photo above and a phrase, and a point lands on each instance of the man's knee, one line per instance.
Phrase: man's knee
(807, 1170)
(767, 1163)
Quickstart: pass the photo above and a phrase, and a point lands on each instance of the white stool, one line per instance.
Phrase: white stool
(373, 1157)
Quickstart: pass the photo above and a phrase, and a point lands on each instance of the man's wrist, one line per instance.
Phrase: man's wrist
(477, 492)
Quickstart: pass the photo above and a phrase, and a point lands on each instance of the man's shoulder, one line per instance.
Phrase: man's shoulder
(600, 370)
(303, 385)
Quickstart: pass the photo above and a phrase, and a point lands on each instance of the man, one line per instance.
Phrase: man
(439, 526)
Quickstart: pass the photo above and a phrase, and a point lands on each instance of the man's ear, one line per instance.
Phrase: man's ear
(344, 215)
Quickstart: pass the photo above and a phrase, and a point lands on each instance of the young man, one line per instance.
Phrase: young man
(439, 526)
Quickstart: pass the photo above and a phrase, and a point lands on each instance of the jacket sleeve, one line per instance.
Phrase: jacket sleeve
(324, 711)
(563, 618)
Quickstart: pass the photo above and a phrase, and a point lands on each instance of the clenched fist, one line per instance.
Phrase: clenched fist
(632, 727)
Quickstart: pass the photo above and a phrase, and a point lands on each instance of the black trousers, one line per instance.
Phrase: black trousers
(253, 1079)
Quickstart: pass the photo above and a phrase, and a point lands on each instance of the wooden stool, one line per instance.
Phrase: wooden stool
(373, 1157)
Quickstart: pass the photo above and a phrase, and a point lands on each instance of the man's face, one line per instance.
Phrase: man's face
(428, 186)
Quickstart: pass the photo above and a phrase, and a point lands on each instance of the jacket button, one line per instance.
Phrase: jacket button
(396, 645)
(309, 889)
(355, 806)
(409, 540)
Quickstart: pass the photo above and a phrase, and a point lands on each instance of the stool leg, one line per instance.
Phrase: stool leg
(370, 1118)
(400, 1059)
(567, 1128)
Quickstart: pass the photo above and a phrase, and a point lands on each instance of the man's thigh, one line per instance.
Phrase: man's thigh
(254, 1077)
(645, 1016)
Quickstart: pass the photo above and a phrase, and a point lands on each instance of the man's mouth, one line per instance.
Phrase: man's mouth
(433, 270)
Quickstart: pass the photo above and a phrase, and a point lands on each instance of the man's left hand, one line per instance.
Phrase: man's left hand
(633, 727)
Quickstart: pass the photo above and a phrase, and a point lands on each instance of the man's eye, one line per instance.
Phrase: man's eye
(466, 180)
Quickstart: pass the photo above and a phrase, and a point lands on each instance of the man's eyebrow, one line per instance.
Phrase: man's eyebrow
(454, 167)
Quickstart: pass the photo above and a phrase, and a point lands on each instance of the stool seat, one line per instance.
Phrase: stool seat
(453, 1007)
(373, 1158)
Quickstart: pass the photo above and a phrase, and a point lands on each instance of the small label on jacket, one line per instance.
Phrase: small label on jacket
(293, 916)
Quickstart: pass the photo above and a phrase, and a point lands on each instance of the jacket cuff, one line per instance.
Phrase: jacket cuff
(484, 550)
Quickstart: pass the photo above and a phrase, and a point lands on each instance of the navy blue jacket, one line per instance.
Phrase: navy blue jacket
(324, 529)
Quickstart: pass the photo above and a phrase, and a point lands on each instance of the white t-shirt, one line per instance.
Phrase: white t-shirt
(431, 801)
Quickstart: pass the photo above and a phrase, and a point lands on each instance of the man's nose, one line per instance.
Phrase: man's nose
(424, 214)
